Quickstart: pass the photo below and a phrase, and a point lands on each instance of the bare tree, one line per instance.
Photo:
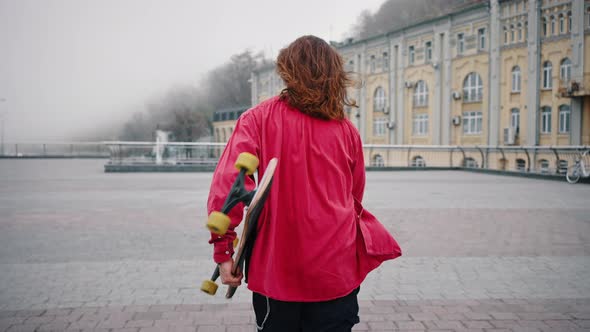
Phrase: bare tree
(187, 111)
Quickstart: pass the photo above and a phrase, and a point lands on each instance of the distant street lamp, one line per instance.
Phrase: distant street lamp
(2, 115)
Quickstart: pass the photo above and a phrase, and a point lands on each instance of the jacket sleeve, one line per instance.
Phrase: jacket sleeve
(358, 170)
(245, 138)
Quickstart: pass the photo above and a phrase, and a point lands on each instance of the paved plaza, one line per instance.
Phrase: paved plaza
(81, 250)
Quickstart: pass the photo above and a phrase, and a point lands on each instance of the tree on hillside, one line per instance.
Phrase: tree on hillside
(187, 111)
(395, 14)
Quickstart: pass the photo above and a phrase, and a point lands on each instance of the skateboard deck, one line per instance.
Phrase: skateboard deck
(254, 203)
(250, 222)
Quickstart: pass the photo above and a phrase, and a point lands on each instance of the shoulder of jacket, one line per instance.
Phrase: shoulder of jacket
(263, 107)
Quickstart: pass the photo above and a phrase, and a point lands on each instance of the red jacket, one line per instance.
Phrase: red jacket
(315, 242)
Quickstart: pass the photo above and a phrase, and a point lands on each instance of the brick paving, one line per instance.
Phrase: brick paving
(81, 250)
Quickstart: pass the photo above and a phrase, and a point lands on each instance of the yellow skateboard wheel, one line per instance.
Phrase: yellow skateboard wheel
(248, 161)
(218, 222)
(209, 287)
(236, 242)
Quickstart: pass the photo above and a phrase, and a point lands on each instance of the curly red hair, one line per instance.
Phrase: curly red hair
(315, 79)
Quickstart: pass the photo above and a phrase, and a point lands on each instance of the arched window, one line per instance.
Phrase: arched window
(544, 26)
(561, 23)
(545, 120)
(547, 74)
(377, 161)
(519, 26)
(552, 19)
(379, 100)
(420, 94)
(520, 165)
(516, 79)
(372, 64)
(515, 119)
(569, 21)
(472, 88)
(418, 161)
(526, 30)
(505, 35)
(544, 166)
(565, 70)
(512, 33)
(564, 119)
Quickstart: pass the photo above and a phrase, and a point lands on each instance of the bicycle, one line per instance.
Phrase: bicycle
(578, 169)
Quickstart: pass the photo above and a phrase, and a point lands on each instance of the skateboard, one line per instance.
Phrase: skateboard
(218, 221)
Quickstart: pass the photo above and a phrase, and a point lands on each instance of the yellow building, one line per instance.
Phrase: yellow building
(493, 73)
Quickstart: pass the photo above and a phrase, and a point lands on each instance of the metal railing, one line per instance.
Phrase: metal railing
(528, 159)
(54, 150)
(169, 153)
(546, 160)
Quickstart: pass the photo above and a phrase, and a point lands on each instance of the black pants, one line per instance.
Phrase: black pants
(337, 315)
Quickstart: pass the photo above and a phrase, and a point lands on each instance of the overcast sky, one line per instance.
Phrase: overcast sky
(68, 66)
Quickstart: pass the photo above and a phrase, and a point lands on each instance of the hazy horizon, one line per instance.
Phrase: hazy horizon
(71, 67)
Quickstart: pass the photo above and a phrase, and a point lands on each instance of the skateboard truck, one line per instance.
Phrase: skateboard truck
(218, 222)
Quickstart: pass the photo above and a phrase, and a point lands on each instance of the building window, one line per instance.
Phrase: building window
(481, 33)
(379, 126)
(469, 163)
(512, 33)
(460, 43)
(418, 161)
(372, 64)
(588, 16)
(544, 26)
(505, 36)
(420, 127)
(545, 120)
(377, 161)
(565, 70)
(519, 26)
(526, 30)
(411, 55)
(564, 119)
(561, 24)
(379, 100)
(520, 165)
(569, 21)
(547, 74)
(472, 123)
(421, 94)
(472, 88)
(515, 120)
(544, 166)
(516, 79)
(428, 47)
(552, 19)
(385, 61)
